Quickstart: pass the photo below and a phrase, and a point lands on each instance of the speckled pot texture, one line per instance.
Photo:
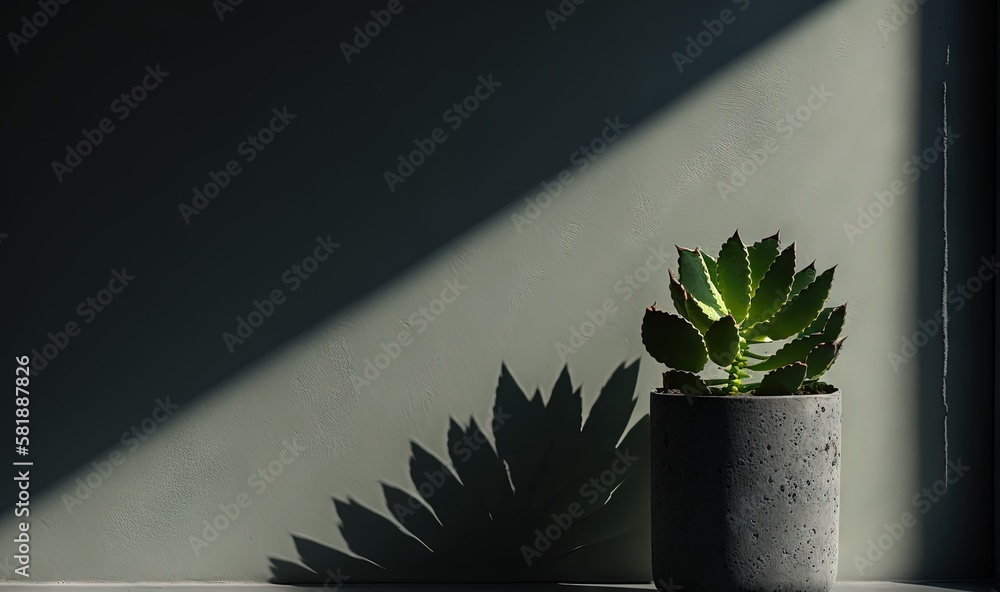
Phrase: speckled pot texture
(745, 492)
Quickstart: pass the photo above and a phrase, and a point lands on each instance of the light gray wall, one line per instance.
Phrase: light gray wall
(656, 187)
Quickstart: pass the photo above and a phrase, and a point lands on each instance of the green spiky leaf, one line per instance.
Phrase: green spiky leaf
(817, 325)
(673, 341)
(800, 310)
(723, 341)
(688, 307)
(733, 277)
(685, 382)
(801, 348)
(783, 381)
(711, 264)
(834, 323)
(697, 315)
(822, 358)
(697, 281)
(774, 287)
(830, 323)
(761, 255)
(803, 278)
(678, 295)
(793, 351)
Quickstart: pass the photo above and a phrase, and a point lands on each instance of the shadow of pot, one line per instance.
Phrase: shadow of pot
(745, 492)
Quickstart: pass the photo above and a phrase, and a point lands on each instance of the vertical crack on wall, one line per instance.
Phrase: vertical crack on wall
(944, 271)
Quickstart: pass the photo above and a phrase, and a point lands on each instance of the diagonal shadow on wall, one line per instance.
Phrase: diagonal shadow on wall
(322, 177)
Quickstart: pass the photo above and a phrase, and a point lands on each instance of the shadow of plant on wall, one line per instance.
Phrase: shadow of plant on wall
(557, 499)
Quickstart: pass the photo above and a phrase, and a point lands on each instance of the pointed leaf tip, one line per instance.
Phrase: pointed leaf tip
(733, 277)
(696, 278)
(822, 358)
(774, 288)
(761, 255)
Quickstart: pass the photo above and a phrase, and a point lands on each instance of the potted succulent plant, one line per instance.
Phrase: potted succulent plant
(745, 475)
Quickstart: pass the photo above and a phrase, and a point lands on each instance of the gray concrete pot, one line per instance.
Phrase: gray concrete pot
(745, 492)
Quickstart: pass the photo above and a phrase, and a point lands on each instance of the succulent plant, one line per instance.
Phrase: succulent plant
(748, 296)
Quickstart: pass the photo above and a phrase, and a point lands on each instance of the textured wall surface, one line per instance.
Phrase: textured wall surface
(820, 117)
